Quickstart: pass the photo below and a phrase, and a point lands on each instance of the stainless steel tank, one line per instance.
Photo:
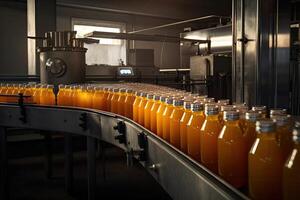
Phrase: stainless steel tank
(62, 58)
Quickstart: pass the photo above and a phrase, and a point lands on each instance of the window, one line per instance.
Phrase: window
(107, 51)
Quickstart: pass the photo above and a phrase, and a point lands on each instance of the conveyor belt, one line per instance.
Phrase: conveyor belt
(180, 176)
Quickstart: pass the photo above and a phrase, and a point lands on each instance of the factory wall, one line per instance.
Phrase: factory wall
(13, 57)
(13, 18)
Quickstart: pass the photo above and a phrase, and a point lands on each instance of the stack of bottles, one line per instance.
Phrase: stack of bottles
(248, 148)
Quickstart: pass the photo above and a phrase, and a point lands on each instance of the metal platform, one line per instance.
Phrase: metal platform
(180, 176)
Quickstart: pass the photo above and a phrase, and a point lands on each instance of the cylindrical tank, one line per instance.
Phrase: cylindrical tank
(62, 58)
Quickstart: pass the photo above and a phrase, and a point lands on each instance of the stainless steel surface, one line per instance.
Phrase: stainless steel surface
(141, 37)
(41, 17)
(261, 52)
(180, 22)
(179, 175)
(220, 38)
(141, 57)
(65, 67)
(203, 67)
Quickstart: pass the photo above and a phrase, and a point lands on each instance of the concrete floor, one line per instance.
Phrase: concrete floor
(28, 180)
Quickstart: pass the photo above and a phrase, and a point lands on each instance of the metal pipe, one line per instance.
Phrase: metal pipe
(71, 5)
(180, 22)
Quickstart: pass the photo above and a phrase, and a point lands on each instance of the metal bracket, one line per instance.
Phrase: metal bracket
(121, 128)
(83, 119)
(244, 40)
(22, 108)
(142, 141)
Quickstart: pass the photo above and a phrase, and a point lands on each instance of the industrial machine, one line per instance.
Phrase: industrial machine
(62, 58)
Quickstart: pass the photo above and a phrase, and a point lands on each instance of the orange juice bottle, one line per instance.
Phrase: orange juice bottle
(175, 122)
(114, 100)
(15, 92)
(36, 94)
(129, 101)
(135, 108)
(61, 100)
(265, 163)
(159, 116)
(250, 129)
(153, 111)
(183, 125)
(3, 92)
(90, 94)
(84, 99)
(166, 119)
(242, 111)
(284, 134)
(232, 151)
(97, 99)
(50, 95)
(210, 131)
(141, 108)
(75, 95)
(147, 111)
(121, 102)
(105, 95)
(68, 95)
(291, 170)
(43, 94)
(277, 111)
(261, 109)
(193, 131)
(108, 100)
(28, 92)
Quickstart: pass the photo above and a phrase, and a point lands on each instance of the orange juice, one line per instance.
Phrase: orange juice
(175, 122)
(232, 151)
(250, 129)
(129, 101)
(261, 109)
(284, 134)
(147, 111)
(28, 92)
(209, 138)
(166, 119)
(36, 94)
(47, 96)
(61, 99)
(121, 102)
(114, 100)
(3, 92)
(68, 95)
(141, 108)
(108, 100)
(154, 108)
(15, 91)
(159, 116)
(265, 163)
(97, 99)
(84, 100)
(105, 95)
(183, 125)
(291, 170)
(193, 131)
(75, 95)
(135, 108)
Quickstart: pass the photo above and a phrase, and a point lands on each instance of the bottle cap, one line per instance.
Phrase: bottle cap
(123, 90)
(90, 88)
(163, 98)
(296, 133)
(116, 90)
(259, 108)
(252, 116)
(187, 105)
(149, 96)
(211, 109)
(170, 100)
(224, 101)
(227, 108)
(277, 111)
(50, 86)
(281, 120)
(265, 126)
(129, 91)
(157, 97)
(138, 93)
(231, 115)
(209, 100)
(178, 102)
(60, 86)
(144, 94)
(197, 107)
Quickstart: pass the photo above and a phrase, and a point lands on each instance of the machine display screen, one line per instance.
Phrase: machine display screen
(125, 71)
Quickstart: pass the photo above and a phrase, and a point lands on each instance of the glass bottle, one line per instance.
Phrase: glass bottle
(175, 122)
(265, 163)
(159, 116)
(183, 125)
(210, 131)
(232, 151)
(193, 131)
(147, 111)
(166, 119)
